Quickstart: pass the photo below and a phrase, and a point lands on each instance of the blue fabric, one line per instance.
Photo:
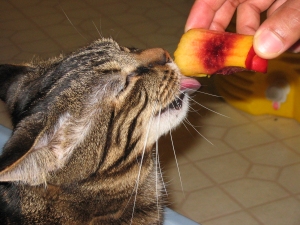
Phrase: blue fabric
(173, 218)
(4, 136)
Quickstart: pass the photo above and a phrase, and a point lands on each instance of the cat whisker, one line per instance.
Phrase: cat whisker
(206, 93)
(156, 167)
(73, 25)
(116, 36)
(213, 95)
(161, 175)
(140, 168)
(101, 36)
(191, 109)
(176, 161)
(188, 122)
(186, 128)
(206, 107)
(157, 159)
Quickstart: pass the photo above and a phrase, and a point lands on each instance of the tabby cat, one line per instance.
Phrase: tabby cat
(85, 126)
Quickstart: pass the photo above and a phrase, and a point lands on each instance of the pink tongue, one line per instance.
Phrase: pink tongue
(189, 85)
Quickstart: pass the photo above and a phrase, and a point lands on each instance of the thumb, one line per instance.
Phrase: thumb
(279, 32)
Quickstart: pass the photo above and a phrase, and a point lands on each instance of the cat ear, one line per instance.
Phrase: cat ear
(8, 75)
(30, 154)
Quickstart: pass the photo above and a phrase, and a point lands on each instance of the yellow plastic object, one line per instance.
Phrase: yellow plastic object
(276, 93)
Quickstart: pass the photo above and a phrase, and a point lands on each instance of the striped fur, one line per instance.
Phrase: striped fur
(84, 129)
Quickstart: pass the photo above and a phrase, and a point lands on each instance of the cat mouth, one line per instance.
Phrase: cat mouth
(188, 86)
(177, 103)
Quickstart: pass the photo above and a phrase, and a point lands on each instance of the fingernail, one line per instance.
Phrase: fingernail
(268, 43)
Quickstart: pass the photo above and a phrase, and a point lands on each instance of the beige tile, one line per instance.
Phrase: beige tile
(168, 160)
(35, 10)
(115, 9)
(208, 204)
(293, 143)
(71, 42)
(161, 12)
(60, 30)
(248, 135)
(240, 218)
(222, 116)
(281, 127)
(167, 154)
(145, 4)
(25, 57)
(168, 30)
(284, 212)
(273, 154)
(77, 15)
(263, 172)
(5, 5)
(129, 19)
(250, 192)
(142, 28)
(289, 178)
(191, 178)
(103, 3)
(158, 40)
(202, 149)
(213, 132)
(47, 20)
(72, 5)
(29, 35)
(8, 53)
(224, 168)
(41, 46)
(256, 118)
(119, 34)
(3, 107)
(11, 14)
(7, 33)
(182, 7)
(191, 145)
(175, 200)
(49, 3)
(174, 21)
(99, 24)
(21, 4)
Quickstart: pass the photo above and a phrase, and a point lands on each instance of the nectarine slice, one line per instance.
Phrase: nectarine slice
(204, 52)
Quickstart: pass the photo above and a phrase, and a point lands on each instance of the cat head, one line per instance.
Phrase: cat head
(88, 113)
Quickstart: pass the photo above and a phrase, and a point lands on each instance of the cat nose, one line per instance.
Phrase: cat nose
(154, 56)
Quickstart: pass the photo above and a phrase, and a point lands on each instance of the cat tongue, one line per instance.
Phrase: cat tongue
(189, 85)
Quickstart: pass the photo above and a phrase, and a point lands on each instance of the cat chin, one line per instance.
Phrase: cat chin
(168, 120)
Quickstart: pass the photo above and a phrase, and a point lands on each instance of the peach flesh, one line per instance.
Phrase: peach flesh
(203, 52)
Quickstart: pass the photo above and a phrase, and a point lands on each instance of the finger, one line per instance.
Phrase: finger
(280, 31)
(248, 15)
(202, 13)
(224, 15)
(275, 6)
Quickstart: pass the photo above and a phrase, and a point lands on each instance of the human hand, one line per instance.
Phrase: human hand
(279, 32)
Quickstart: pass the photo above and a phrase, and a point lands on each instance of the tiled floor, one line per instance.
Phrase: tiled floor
(238, 170)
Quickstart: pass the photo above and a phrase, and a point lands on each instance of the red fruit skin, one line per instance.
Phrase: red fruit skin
(215, 50)
(256, 63)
